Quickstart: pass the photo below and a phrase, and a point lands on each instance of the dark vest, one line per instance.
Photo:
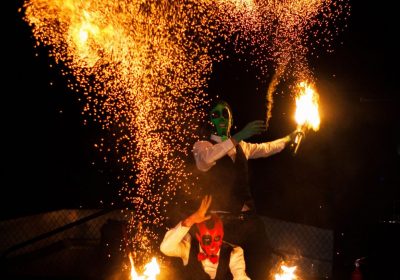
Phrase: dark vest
(228, 183)
(194, 269)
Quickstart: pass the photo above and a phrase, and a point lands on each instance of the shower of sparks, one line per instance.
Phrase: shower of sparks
(143, 67)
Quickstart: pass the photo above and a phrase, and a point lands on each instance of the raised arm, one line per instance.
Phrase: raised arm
(266, 149)
(176, 242)
(200, 215)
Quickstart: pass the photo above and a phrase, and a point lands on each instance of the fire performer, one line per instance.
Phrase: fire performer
(222, 162)
(207, 256)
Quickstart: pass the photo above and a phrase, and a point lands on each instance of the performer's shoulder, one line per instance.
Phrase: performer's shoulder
(202, 142)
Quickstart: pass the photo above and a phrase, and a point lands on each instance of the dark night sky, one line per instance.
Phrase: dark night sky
(347, 173)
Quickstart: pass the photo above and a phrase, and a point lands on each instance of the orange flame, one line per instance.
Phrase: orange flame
(307, 114)
(151, 270)
(287, 274)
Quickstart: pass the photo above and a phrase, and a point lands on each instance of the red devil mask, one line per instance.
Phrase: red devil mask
(210, 234)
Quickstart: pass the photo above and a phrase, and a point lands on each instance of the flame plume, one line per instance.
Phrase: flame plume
(287, 273)
(151, 270)
(307, 114)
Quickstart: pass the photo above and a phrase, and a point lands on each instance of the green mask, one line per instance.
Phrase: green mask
(221, 118)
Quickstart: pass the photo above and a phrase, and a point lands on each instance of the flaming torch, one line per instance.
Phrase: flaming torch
(307, 115)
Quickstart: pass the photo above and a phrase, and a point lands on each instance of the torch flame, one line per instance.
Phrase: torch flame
(287, 274)
(307, 114)
(151, 270)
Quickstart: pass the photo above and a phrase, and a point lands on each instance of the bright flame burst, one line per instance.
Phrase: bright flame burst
(143, 67)
(151, 270)
(307, 115)
(287, 273)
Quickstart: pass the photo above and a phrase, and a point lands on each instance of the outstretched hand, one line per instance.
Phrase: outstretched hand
(292, 136)
(201, 214)
(251, 129)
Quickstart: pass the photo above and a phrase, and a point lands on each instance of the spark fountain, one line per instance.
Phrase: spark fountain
(141, 69)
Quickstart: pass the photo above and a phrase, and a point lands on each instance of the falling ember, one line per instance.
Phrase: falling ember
(151, 270)
(287, 273)
(307, 115)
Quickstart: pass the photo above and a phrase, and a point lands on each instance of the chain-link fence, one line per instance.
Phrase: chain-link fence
(74, 243)
(65, 243)
(309, 248)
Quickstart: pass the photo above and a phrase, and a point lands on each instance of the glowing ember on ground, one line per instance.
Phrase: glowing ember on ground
(151, 270)
(143, 67)
(287, 273)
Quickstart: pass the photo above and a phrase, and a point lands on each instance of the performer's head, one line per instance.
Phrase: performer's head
(221, 118)
(210, 234)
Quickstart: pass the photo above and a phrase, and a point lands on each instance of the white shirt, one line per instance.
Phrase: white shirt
(206, 153)
(176, 243)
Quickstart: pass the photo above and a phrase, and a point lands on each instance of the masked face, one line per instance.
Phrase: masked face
(210, 239)
(221, 118)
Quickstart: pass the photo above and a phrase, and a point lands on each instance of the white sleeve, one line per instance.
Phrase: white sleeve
(206, 153)
(237, 264)
(266, 149)
(176, 243)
